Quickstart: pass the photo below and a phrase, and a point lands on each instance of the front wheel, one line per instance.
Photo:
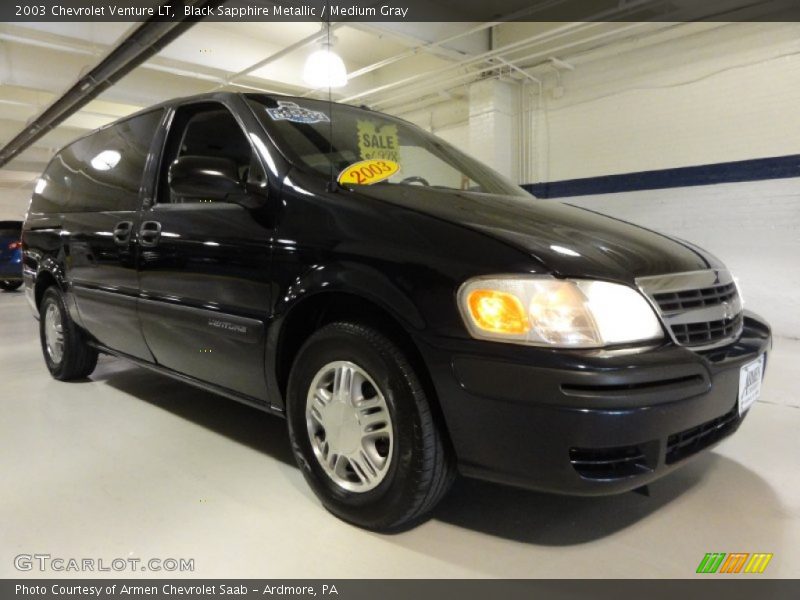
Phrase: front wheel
(9, 286)
(65, 350)
(362, 429)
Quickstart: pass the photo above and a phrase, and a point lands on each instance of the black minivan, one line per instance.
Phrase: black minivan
(408, 310)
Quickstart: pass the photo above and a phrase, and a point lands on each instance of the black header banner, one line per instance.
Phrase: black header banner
(398, 10)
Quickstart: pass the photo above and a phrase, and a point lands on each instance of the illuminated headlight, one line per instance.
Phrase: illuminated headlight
(567, 313)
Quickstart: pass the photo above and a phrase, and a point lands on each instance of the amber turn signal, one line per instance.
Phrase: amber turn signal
(497, 312)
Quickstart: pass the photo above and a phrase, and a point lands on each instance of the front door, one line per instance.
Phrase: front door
(204, 263)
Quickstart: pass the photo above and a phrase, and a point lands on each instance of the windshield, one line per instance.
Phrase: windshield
(328, 138)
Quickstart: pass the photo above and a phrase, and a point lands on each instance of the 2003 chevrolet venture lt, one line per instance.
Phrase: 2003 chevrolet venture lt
(408, 310)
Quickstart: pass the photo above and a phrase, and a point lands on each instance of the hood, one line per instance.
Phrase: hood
(567, 240)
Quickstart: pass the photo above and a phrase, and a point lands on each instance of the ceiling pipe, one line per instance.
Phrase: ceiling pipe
(555, 33)
(414, 51)
(601, 18)
(138, 46)
(430, 47)
(440, 82)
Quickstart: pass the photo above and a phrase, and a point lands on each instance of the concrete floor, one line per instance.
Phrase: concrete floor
(134, 464)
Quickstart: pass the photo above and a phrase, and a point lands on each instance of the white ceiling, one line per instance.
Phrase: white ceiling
(396, 67)
(38, 61)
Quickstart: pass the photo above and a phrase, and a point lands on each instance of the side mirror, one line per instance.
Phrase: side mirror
(205, 177)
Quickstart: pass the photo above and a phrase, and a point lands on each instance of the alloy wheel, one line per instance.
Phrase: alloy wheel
(54, 333)
(349, 426)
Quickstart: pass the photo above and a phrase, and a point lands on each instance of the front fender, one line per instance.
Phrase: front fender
(336, 279)
(352, 278)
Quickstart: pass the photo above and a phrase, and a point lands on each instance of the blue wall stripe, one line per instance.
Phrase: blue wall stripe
(757, 169)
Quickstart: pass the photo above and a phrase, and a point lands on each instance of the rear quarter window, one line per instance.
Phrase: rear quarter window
(101, 172)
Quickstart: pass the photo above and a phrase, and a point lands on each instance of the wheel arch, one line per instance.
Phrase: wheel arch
(44, 280)
(315, 310)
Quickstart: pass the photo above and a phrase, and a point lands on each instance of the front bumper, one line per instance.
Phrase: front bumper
(586, 423)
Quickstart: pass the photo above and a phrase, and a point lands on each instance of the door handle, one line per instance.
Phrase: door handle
(149, 233)
(122, 232)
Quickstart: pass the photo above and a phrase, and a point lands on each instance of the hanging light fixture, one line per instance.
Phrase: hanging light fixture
(324, 68)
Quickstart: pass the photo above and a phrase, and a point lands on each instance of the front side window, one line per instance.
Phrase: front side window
(327, 138)
(209, 135)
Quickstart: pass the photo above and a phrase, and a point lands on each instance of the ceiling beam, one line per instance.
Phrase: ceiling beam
(423, 38)
(217, 77)
(139, 45)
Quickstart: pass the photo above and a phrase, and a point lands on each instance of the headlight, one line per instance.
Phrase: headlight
(544, 311)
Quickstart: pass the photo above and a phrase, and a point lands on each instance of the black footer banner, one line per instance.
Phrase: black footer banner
(714, 586)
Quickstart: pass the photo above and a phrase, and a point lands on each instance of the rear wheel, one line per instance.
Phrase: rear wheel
(9, 286)
(362, 429)
(64, 346)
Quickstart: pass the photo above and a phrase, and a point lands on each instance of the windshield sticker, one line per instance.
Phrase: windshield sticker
(291, 111)
(378, 142)
(367, 172)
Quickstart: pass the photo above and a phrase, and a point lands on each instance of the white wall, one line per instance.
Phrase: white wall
(457, 135)
(494, 135)
(700, 94)
(725, 94)
(484, 124)
(14, 203)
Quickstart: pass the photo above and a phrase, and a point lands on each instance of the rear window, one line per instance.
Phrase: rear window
(101, 172)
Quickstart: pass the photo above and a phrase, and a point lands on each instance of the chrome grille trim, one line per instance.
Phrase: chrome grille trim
(683, 300)
(700, 309)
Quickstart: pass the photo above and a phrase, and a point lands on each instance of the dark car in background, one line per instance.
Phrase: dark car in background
(10, 255)
(410, 311)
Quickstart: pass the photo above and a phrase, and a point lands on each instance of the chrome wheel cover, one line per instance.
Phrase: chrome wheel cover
(54, 334)
(349, 426)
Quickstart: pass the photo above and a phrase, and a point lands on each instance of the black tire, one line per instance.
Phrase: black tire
(78, 359)
(421, 468)
(9, 286)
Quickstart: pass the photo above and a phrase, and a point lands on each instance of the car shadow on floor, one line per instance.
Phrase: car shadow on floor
(500, 511)
(555, 520)
(241, 423)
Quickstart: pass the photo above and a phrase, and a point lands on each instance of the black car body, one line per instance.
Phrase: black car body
(10, 255)
(219, 273)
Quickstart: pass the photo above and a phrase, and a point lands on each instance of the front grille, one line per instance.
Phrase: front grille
(701, 309)
(697, 334)
(685, 443)
(609, 463)
(686, 299)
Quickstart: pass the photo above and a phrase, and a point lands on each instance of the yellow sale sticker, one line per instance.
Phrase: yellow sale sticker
(378, 142)
(367, 172)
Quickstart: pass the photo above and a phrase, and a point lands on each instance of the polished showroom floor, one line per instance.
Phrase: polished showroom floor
(133, 464)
